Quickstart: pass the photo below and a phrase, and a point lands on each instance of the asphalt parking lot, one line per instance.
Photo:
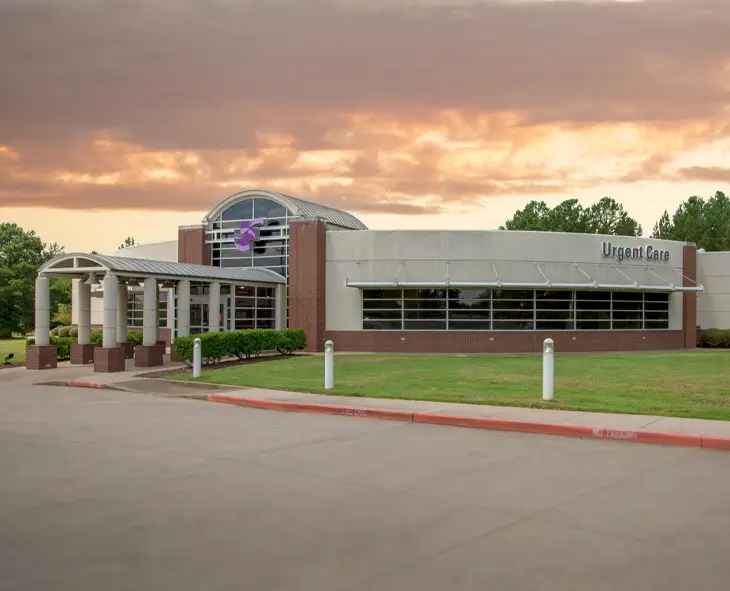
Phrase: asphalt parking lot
(118, 491)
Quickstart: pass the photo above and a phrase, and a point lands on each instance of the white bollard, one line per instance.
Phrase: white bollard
(196, 358)
(329, 365)
(548, 369)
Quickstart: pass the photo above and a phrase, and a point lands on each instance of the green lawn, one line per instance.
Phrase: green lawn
(16, 346)
(681, 384)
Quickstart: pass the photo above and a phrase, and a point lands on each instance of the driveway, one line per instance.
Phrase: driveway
(119, 491)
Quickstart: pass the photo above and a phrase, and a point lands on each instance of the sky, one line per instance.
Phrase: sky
(131, 117)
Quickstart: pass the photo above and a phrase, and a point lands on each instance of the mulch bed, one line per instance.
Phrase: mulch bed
(228, 363)
(11, 365)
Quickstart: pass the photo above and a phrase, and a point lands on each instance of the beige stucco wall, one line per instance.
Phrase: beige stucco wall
(470, 254)
(157, 251)
(713, 305)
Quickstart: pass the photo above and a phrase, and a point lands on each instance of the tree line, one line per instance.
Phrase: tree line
(21, 254)
(704, 222)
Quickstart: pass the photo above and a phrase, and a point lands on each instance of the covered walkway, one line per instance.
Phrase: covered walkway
(116, 275)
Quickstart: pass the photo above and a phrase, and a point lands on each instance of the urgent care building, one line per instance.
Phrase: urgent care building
(424, 291)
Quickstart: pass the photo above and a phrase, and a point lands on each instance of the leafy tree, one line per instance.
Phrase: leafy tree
(128, 241)
(706, 223)
(609, 217)
(21, 253)
(605, 217)
(533, 217)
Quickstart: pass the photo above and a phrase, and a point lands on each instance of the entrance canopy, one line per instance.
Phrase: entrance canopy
(81, 265)
(516, 274)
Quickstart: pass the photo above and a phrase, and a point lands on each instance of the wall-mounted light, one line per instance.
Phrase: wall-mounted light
(92, 280)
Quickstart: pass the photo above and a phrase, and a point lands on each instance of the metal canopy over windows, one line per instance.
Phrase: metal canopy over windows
(79, 264)
(516, 275)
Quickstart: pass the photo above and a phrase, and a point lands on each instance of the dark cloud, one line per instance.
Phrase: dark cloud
(219, 78)
(197, 74)
(717, 174)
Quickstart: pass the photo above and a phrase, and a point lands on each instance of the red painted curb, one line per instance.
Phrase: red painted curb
(326, 409)
(77, 384)
(710, 442)
(581, 431)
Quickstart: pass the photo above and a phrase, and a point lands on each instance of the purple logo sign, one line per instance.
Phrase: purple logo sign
(244, 236)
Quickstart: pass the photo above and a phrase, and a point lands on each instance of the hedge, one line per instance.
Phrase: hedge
(715, 337)
(215, 346)
(63, 343)
(63, 346)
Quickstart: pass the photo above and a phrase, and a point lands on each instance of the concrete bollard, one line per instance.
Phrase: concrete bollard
(548, 369)
(329, 365)
(196, 358)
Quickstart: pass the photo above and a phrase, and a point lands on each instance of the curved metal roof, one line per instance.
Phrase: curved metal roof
(77, 262)
(298, 207)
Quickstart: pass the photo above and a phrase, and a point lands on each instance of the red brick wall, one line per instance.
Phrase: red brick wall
(307, 264)
(689, 302)
(191, 246)
(503, 342)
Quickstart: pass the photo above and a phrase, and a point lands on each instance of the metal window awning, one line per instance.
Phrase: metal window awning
(516, 275)
(77, 265)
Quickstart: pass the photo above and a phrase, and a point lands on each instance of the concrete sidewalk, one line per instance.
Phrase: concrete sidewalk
(633, 428)
(592, 425)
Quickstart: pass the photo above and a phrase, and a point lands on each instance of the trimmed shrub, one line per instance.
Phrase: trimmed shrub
(715, 337)
(73, 332)
(215, 346)
(135, 336)
(63, 346)
(97, 336)
(54, 331)
(290, 340)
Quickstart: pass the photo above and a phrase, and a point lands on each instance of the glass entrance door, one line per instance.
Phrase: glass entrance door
(199, 319)
(200, 314)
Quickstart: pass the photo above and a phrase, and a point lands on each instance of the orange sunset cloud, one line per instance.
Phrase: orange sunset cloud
(387, 109)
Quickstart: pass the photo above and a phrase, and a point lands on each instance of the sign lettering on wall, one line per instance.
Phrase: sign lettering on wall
(647, 253)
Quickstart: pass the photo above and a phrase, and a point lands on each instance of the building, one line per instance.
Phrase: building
(415, 291)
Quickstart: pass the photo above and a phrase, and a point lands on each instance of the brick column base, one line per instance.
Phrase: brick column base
(128, 350)
(174, 357)
(82, 354)
(162, 345)
(41, 357)
(109, 360)
(147, 356)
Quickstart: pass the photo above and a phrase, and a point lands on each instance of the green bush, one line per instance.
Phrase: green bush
(73, 332)
(215, 346)
(135, 336)
(54, 331)
(63, 331)
(6, 333)
(97, 336)
(715, 337)
(290, 340)
(63, 346)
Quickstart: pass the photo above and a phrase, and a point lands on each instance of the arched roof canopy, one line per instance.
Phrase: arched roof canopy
(79, 265)
(295, 207)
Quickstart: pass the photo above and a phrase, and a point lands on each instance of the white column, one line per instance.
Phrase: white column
(122, 303)
(183, 308)
(111, 293)
(280, 304)
(83, 312)
(42, 310)
(170, 308)
(214, 307)
(74, 300)
(149, 322)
